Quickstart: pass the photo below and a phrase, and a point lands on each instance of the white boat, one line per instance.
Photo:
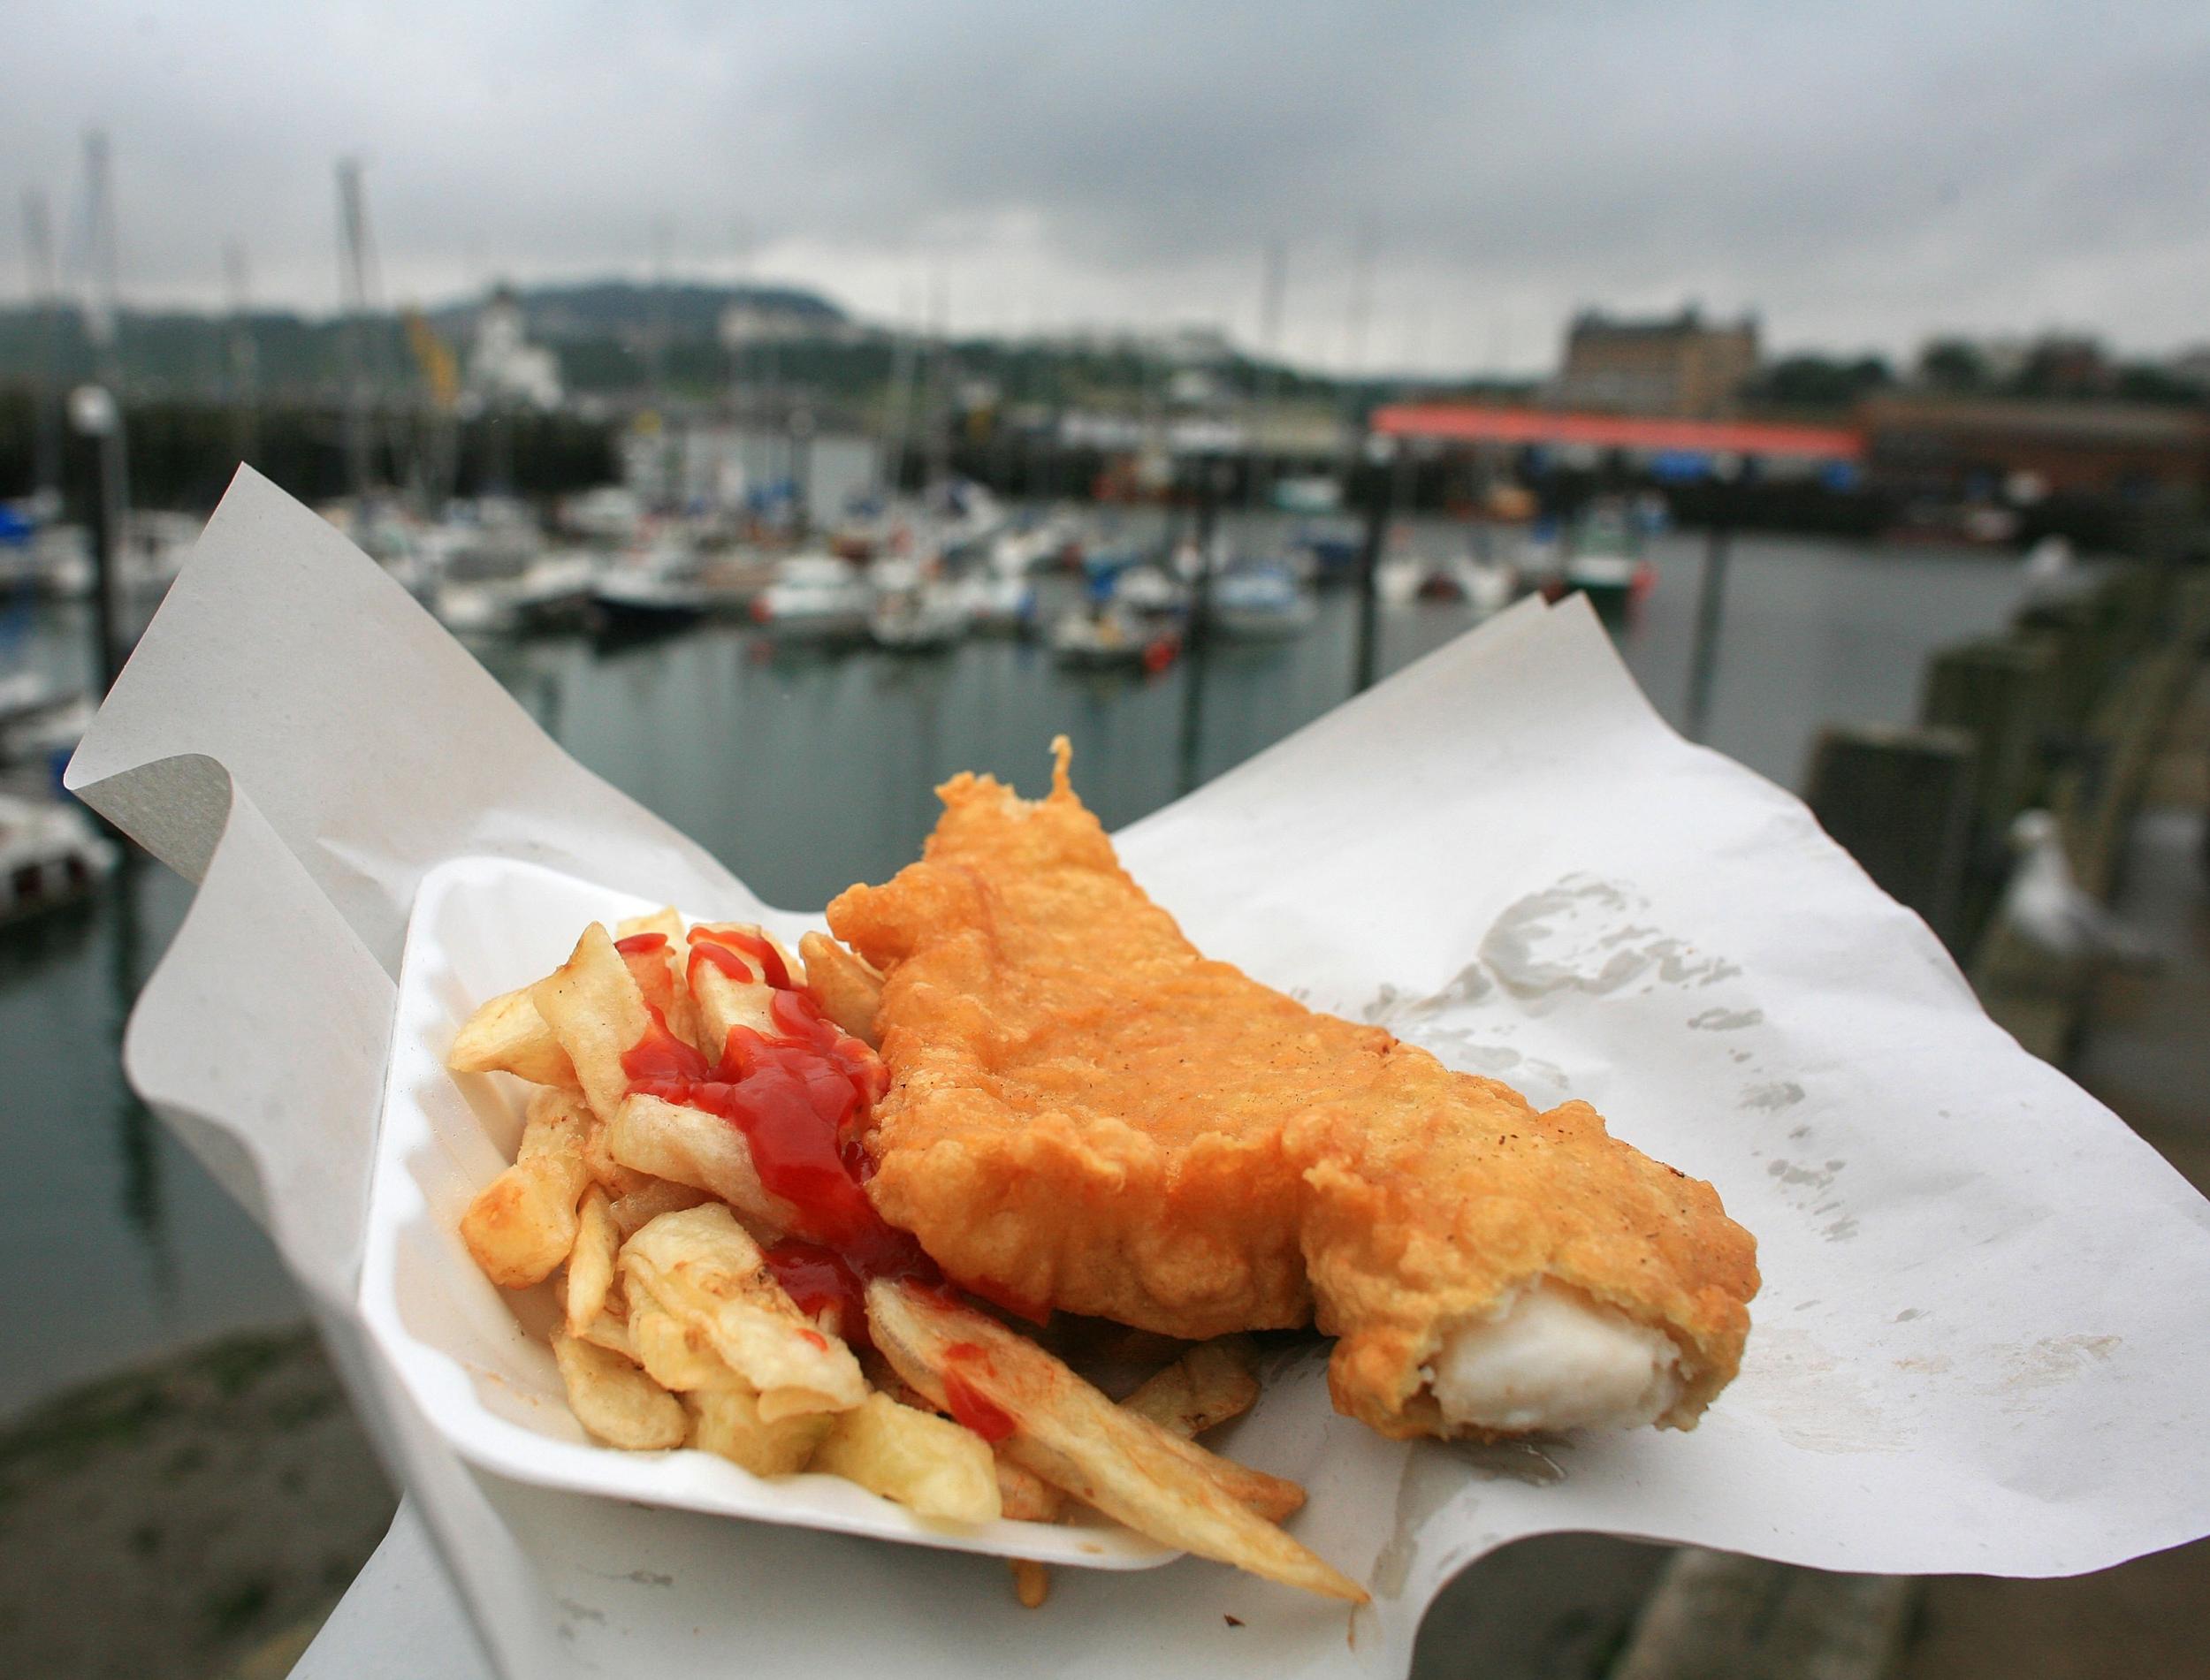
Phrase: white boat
(154, 548)
(548, 591)
(1310, 493)
(1260, 603)
(557, 588)
(610, 514)
(1400, 580)
(1147, 590)
(998, 604)
(735, 580)
(1049, 544)
(1604, 561)
(50, 856)
(962, 517)
(640, 601)
(60, 560)
(1486, 585)
(1112, 637)
(922, 617)
(39, 716)
(151, 552)
(1613, 582)
(815, 598)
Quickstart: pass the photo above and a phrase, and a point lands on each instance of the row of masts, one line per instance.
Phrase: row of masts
(95, 263)
(924, 374)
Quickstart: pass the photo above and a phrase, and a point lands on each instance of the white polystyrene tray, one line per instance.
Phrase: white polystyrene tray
(474, 1356)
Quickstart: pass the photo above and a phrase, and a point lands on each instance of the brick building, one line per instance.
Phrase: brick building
(1676, 365)
(1949, 445)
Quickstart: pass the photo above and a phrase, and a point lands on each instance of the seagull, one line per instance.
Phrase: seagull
(2045, 901)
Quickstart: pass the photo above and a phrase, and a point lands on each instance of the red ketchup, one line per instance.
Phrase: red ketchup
(639, 944)
(800, 1099)
(968, 1405)
(760, 949)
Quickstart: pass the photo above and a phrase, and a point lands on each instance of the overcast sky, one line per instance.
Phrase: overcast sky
(1862, 175)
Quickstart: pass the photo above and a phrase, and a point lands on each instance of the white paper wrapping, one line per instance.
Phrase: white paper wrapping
(1981, 1345)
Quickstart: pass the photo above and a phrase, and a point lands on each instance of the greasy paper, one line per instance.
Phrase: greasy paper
(1978, 1347)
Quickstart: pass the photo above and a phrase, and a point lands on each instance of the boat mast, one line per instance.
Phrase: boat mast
(38, 248)
(1360, 307)
(101, 282)
(1273, 282)
(938, 406)
(96, 410)
(898, 422)
(354, 305)
(242, 366)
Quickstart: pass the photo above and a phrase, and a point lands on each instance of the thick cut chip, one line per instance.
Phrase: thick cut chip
(655, 975)
(611, 1332)
(725, 1001)
(615, 1401)
(1205, 1387)
(1024, 1495)
(847, 989)
(1211, 1383)
(638, 1208)
(521, 1225)
(929, 1464)
(1087, 1113)
(592, 1004)
(678, 1356)
(704, 1270)
(682, 1015)
(509, 1036)
(691, 1146)
(1053, 1423)
(590, 1261)
(607, 1172)
(666, 922)
(727, 1422)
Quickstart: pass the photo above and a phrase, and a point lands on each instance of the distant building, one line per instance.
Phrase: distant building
(1946, 445)
(505, 369)
(2193, 367)
(2069, 365)
(1677, 365)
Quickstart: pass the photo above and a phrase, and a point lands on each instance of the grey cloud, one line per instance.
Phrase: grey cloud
(1862, 173)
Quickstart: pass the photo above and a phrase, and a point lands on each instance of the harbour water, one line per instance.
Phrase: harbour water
(804, 773)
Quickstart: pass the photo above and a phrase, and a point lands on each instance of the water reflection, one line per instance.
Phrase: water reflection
(117, 1239)
(142, 1204)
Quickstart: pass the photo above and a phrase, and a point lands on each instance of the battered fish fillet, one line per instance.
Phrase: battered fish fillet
(1087, 1113)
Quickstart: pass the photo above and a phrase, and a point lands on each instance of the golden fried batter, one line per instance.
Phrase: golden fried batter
(1085, 1113)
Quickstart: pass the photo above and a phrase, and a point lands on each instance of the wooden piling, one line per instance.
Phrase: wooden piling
(2002, 692)
(1900, 802)
(1381, 454)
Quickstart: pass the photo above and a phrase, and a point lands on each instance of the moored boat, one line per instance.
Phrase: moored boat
(39, 716)
(50, 856)
(1260, 603)
(998, 606)
(815, 598)
(920, 618)
(1603, 561)
(641, 603)
(1110, 638)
